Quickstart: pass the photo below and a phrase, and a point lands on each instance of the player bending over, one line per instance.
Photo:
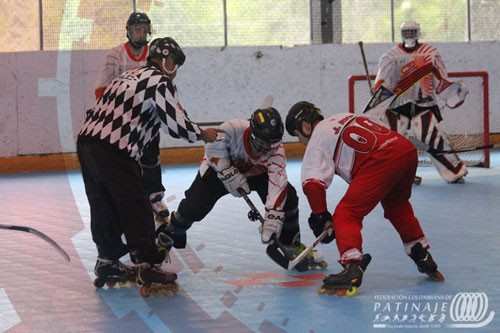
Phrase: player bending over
(379, 165)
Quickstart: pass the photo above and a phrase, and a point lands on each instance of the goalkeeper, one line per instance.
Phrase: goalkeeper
(416, 71)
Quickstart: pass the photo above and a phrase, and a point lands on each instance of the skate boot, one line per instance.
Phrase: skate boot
(152, 280)
(460, 180)
(160, 209)
(113, 273)
(347, 282)
(425, 263)
(313, 261)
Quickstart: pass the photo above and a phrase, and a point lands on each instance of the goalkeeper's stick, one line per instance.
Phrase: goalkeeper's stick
(456, 151)
(39, 234)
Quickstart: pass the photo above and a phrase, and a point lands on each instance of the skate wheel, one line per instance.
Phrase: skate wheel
(144, 291)
(437, 276)
(340, 292)
(323, 264)
(417, 180)
(99, 283)
(346, 292)
(110, 284)
(353, 291)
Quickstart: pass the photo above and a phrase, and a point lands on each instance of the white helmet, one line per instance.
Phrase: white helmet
(410, 32)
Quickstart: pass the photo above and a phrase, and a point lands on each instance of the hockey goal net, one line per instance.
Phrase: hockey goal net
(467, 126)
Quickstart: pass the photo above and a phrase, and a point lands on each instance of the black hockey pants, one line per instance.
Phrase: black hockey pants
(205, 191)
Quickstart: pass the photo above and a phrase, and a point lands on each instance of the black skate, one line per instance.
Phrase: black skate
(460, 180)
(425, 263)
(113, 273)
(154, 280)
(417, 180)
(347, 282)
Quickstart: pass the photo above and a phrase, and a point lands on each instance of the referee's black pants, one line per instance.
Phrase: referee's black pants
(118, 203)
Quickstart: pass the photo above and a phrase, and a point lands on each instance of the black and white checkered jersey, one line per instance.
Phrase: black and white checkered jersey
(134, 107)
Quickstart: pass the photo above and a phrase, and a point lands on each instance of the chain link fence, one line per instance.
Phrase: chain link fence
(100, 24)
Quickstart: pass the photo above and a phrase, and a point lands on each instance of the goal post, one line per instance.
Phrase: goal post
(466, 126)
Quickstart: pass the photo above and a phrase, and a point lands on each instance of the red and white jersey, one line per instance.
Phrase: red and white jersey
(118, 60)
(340, 144)
(399, 70)
(234, 149)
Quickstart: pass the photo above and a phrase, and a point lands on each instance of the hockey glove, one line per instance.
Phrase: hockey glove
(273, 223)
(318, 223)
(233, 180)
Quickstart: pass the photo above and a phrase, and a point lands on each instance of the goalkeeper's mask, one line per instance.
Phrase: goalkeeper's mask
(302, 112)
(410, 33)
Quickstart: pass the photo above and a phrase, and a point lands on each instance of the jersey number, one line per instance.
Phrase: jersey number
(362, 136)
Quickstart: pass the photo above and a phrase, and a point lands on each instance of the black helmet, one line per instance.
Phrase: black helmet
(138, 18)
(266, 129)
(299, 112)
(161, 48)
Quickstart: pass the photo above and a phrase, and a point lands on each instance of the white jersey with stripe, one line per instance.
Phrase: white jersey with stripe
(340, 144)
(422, 66)
(118, 60)
(234, 149)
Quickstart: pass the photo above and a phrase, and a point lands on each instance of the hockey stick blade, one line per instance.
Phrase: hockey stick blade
(39, 234)
(273, 251)
(455, 151)
(308, 249)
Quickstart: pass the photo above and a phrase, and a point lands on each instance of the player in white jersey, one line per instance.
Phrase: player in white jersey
(416, 71)
(379, 165)
(130, 55)
(250, 157)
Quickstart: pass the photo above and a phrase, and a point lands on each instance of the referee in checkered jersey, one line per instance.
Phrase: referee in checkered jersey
(110, 144)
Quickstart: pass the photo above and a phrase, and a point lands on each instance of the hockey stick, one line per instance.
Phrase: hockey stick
(455, 151)
(308, 249)
(39, 234)
(275, 249)
(365, 64)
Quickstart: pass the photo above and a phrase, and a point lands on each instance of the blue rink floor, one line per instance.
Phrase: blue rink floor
(227, 282)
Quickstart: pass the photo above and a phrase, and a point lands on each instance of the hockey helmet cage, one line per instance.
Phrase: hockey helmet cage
(138, 18)
(299, 112)
(266, 129)
(161, 48)
(410, 33)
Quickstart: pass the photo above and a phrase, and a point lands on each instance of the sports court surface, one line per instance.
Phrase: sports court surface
(227, 282)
